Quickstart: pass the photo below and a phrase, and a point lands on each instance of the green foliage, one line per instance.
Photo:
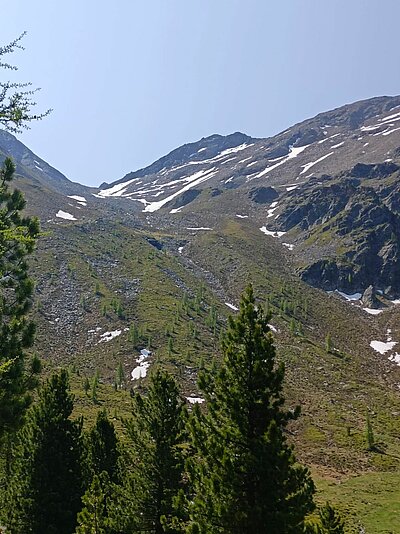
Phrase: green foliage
(331, 521)
(18, 236)
(244, 474)
(369, 433)
(45, 487)
(16, 98)
(102, 448)
(120, 379)
(156, 434)
(95, 385)
(92, 519)
(86, 385)
(134, 334)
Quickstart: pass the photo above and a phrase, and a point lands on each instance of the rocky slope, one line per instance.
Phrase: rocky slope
(158, 259)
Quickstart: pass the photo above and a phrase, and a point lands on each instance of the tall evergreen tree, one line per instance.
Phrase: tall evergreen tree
(102, 448)
(93, 517)
(17, 239)
(244, 474)
(156, 433)
(44, 493)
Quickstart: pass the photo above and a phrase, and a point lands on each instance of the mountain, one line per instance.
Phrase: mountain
(158, 259)
(329, 184)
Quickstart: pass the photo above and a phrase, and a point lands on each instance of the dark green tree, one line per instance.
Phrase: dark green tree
(120, 378)
(331, 521)
(156, 433)
(16, 99)
(244, 474)
(102, 448)
(93, 519)
(44, 493)
(371, 445)
(18, 236)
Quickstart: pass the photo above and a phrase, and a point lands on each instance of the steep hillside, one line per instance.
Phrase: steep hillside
(145, 271)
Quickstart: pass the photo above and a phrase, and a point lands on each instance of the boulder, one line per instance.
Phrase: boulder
(369, 299)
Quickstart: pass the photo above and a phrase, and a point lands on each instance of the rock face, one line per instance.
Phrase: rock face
(369, 298)
(263, 195)
(350, 229)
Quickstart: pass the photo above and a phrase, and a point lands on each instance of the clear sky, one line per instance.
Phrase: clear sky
(130, 80)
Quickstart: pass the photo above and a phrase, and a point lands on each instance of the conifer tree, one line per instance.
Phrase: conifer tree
(331, 521)
(244, 474)
(92, 519)
(44, 493)
(102, 447)
(156, 433)
(17, 239)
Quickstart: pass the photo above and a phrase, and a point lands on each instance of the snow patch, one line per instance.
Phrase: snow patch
(390, 131)
(195, 400)
(312, 163)
(288, 245)
(199, 228)
(293, 153)
(242, 216)
(176, 210)
(338, 145)
(77, 198)
(141, 370)
(108, 336)
(231, 306)
(271, 233)
(354, 296)
(65, 215)
(382, 346)
(116, 190)
(195, 179)
(372, 311)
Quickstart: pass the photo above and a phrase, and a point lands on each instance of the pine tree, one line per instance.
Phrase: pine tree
(18, 236)
(95, 385)
(370, 435)
(92, 519)
(45, 490)
(244, 474)
(331, 521)
(102, 448)
(120, 376)
(156, 433)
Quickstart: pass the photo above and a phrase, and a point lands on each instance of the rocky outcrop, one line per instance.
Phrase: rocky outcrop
(369, 298)
(378, 170)
(263, 195)
(353, 227)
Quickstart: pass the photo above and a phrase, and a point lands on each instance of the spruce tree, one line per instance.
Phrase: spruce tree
(92, 519)
(156, 433)
(244, 474)
(17, 239)
(331, 521)
(44, 493)
(102, 448)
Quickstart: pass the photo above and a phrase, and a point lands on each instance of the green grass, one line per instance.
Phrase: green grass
(371, 500)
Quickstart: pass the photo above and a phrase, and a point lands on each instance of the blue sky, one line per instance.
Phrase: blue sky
(131, 80)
